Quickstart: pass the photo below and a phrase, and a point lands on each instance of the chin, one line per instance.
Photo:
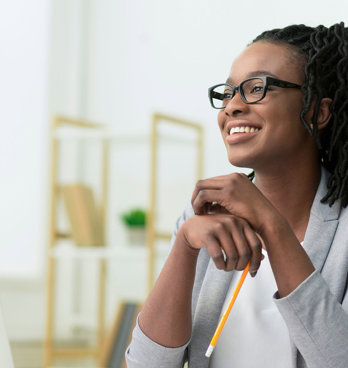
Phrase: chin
(244, 162)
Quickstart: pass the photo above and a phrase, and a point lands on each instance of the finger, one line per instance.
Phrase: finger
(213, 208)
(244, 254)
(255, 247)
(211, 183)
(214, 249)
(261, 240)
(223, 234)
(206, 199)
(231, 255)
(242, 245)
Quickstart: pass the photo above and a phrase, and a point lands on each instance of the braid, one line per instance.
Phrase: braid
(325, 51)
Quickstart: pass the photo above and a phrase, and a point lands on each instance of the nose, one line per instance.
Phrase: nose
(235, 105)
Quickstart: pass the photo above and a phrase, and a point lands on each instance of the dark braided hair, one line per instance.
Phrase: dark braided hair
(325, 54)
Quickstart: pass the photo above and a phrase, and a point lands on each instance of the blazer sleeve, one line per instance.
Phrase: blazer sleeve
(142, 351)
(317, 323)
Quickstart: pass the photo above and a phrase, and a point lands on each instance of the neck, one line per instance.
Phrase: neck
(292, 193)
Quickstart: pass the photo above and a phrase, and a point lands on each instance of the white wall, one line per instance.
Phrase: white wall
(114, 62)
(24, 40)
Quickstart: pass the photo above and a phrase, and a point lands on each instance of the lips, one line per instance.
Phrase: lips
(238, 131)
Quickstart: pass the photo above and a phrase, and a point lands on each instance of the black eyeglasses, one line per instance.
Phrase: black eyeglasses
(251, 90)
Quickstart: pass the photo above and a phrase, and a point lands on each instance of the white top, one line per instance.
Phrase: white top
(5, 352)
(255, 334)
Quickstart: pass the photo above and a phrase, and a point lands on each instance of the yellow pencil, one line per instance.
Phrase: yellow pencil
(227, 312)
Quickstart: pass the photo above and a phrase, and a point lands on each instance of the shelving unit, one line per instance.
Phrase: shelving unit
(104, 253)
(51, 351)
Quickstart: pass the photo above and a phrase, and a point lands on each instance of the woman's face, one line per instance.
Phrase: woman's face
(278, 137)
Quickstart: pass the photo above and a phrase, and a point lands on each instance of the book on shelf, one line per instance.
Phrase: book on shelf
(83, 214)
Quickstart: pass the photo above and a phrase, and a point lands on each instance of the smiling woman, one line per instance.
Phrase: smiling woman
(283, 113)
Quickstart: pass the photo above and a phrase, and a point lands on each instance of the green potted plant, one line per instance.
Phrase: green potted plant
(135, 221)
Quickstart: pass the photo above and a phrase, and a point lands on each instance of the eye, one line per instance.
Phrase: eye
(253, 87)
(256, 89)
(227, 95)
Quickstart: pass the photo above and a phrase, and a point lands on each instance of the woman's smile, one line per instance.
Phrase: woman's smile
(240, 131)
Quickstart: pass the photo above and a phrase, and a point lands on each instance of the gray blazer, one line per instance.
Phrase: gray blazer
(316, 313)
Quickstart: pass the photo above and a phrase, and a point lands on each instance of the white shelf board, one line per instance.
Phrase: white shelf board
(111, 136)
(103, 252)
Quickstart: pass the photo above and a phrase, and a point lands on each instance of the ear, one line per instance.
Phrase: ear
(324, 114)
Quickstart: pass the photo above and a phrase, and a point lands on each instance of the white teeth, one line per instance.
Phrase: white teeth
(243, 129)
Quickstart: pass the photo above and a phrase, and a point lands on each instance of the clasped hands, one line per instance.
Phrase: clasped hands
(229, 215)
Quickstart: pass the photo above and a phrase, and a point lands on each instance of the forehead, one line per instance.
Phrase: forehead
(267, 58)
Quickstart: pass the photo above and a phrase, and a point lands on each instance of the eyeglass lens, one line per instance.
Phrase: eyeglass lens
(252, 90)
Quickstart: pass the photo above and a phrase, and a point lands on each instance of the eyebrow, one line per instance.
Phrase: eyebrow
(255, 73)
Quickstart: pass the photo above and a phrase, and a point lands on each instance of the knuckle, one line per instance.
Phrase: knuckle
(245, 254)
(218, 260)
(217, 256)
(202, 195)
(233, 178)
(233, 258)
(255, 244)
(218, 226)
(231, 221)
(199, 184)
(231, 254)
(240, 266)
(243, 222)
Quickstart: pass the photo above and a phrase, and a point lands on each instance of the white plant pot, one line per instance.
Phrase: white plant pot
(136, 235)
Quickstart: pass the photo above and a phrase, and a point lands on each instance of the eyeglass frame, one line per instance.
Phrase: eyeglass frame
(267, 81)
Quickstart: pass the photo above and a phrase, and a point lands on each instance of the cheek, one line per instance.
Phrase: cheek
(286, 132)
(286, 116)
(221, 120)
(294, 107)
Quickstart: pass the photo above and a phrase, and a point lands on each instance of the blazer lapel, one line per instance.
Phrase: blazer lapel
(209, 304)
(321, 227)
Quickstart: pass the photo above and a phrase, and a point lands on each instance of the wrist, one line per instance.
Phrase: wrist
(182, 242)
(274, 228)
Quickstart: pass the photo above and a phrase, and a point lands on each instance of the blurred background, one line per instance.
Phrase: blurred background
(105, 128)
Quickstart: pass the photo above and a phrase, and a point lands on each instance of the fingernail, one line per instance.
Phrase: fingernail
(253, 273)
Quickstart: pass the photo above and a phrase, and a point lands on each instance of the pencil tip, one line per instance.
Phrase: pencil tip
(209, 351)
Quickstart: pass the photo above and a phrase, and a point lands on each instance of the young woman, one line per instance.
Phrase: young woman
(283, 112)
